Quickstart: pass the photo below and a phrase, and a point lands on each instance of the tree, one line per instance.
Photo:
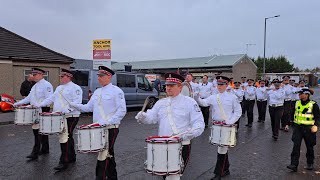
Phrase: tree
(274, 65)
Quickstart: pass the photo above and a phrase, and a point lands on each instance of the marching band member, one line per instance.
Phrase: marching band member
(194, 86)
(40, 91)
(206, 89)
(305, 126)
(287, 88)
(65, 93)
(225, 109)
(276, 99)
(239, 93)
(250, 96)
(175, 114)
(262, 96)
(244, 85)
(109, 107)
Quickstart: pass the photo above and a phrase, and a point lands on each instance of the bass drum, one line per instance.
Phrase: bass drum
(186, 89)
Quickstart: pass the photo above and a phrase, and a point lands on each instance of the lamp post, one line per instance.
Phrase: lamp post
(264, 47)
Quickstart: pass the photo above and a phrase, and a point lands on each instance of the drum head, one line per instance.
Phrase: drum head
(186, 89)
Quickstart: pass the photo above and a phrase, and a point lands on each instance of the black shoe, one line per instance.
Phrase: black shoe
(275, 137)
(281, 129)
(43, 152)
(226, 173)
(259, 120)
(216, 177)
(61, 166)
(32, 156)
(247, 125)
(309, 167)
(73, 160)
(293, 168)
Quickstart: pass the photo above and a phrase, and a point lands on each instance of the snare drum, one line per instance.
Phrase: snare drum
(164, 155)
(26, 115)
(92, 138)
(51, 123)
(223, 135)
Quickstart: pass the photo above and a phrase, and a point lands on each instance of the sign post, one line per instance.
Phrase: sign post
(101, 53)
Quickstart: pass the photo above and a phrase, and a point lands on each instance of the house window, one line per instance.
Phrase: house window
(28, 71)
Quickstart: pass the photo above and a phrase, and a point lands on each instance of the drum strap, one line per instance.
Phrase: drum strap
(60, 98)
(221, 108)
(101, 110)
(171, 120)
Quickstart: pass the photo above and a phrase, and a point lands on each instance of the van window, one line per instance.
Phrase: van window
(126, 80)
(81, 78)
(143, 83)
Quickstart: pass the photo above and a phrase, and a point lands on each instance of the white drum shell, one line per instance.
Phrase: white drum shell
(92, 139)
(163, 158)
(51, 124)
(223, 135)
(26, 116)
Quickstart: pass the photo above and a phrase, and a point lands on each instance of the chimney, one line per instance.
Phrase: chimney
(128, 67)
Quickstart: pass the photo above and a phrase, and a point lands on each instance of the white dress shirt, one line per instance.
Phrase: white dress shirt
(295, 94)
(194, 87)
(239, 93)
(40, 91)
(276, 96)
(229, 103)
(287, 91)
(205, 90)
(107, 104)
(61, 97)
(250, 93)
(262, 93)
(244, 84)
(184, 113)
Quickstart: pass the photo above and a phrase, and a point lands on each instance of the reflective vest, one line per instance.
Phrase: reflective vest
(306, 118)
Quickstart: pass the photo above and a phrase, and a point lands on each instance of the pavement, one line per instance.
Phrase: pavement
(256, 155)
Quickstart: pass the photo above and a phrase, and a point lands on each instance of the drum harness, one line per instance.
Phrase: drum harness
(221, 109)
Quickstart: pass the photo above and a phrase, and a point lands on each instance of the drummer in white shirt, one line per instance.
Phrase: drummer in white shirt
(238, 91)
(206, 89)
(65, 93)
(109, 107)
(176, 114)
(225, 109)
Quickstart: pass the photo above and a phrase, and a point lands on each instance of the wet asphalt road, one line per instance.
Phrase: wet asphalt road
(256, 155)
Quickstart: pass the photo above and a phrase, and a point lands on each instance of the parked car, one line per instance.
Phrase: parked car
(6, 103)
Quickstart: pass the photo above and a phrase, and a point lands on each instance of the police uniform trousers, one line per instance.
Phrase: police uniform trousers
(40, 141)
(286, 114)
(262, 108)
(186, 149)
(302, 132)
(106, 164)
(67, 142)
(275, 116)
(205, 112)
(292, 110)
(249, 106)
(222, 164)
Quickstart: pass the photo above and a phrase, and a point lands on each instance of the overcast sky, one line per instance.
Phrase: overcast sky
(165, 29)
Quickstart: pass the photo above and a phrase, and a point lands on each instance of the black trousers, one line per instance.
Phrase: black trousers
(40, 141)
(285, 119)
(262, 108)
(293, 107)
(222, 164)
(249, 106)
(205, 113)
(243, 106)
(302, 132)
(238, 122)
(275, 116)
(107, 169)
(68, 153)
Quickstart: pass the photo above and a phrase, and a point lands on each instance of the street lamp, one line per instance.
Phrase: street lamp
(264, 47)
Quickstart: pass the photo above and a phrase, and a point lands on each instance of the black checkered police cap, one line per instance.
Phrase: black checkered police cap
(222, 80)
(173, 78)
(37, 71)
(66, 72)
(103, 70)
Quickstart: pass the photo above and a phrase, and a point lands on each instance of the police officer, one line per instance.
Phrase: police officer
(40, 91)
(306, 122)
(262, 97)
(226, 109)
(287, 103)
(276, 99)
(206, 89)
(65, 93)
(109, 107)
(250, 96)
(175, 114)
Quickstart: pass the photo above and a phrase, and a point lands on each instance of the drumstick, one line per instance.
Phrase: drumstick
(177, 135)
(146, 102)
